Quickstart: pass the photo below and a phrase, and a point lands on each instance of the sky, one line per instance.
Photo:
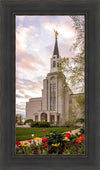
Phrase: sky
(35, 39)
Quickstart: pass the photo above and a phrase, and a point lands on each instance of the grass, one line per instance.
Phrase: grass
(26, 133)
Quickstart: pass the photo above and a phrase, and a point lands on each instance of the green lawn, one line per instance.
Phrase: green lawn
(26, 133)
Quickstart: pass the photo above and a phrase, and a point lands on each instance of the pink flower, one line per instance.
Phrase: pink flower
(44, 130)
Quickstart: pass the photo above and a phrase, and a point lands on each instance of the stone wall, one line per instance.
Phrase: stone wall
(33, 107)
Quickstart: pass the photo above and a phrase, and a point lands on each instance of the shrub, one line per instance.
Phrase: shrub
(80, 120)
(69, 123)
(55, 137)
(40, 124)
(20, 123)
(28, 121)
(72, 123)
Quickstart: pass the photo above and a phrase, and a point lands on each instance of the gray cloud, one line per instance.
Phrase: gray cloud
(19, 96)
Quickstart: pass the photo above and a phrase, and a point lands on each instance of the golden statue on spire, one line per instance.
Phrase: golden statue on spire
(56, 33)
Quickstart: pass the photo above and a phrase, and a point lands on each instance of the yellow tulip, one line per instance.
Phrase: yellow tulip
(23, 144)
(56, 145)
(66, 139)
(79, 133)
(38, 139)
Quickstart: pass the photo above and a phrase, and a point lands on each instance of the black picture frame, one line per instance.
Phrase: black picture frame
(10, 8)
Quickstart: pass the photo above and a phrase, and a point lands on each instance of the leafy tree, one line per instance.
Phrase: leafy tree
(73, 67)
(76, 108)
(19, 119)
(16, 118)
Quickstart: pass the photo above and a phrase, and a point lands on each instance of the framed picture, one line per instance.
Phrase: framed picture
(49, 87)
(54, 122)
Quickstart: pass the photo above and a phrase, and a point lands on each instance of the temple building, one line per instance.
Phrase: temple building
(54, 104)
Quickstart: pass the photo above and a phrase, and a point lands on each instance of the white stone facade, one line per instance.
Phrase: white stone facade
(54, 104)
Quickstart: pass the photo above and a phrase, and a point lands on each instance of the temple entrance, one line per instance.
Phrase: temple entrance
(52, 119)
(43, 117)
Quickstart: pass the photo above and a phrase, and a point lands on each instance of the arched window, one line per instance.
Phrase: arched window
(54, 63)
(52, 78)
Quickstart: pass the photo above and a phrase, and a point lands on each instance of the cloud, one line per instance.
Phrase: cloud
(27, 89)
(64, 29)
(19, 96)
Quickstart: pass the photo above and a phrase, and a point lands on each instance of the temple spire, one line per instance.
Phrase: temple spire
(56, 51)
(55, 57)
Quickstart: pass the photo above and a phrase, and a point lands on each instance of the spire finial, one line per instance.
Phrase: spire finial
(56, 33)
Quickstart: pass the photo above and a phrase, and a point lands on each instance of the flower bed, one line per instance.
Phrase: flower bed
(53, 143)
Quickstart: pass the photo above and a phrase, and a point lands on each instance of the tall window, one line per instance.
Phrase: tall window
(36, 118)
(53, 96)
(54, 63)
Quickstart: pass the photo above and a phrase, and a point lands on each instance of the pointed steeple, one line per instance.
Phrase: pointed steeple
(55, 58)
(56, 51)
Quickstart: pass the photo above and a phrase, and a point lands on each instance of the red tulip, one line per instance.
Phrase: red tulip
(18, 143)
(45, 144)
(44, 140)
(80, 139)
(68, 135)
(77, 141)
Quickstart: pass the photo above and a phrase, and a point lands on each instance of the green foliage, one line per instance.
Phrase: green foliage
(81, 150)
(82, 130)
(16, 118)
(28, 150)
(73, 68)
(40, 124)
(81, 102)
(75, 108)
(28, 121)
(72, 150)
(55, 144)
(66, 151)
(80, 120)
(20, 123)
(72, 113)
(54, 138)
(19, 120)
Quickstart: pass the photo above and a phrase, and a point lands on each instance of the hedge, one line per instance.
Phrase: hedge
(40, 124)
(28, 121)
